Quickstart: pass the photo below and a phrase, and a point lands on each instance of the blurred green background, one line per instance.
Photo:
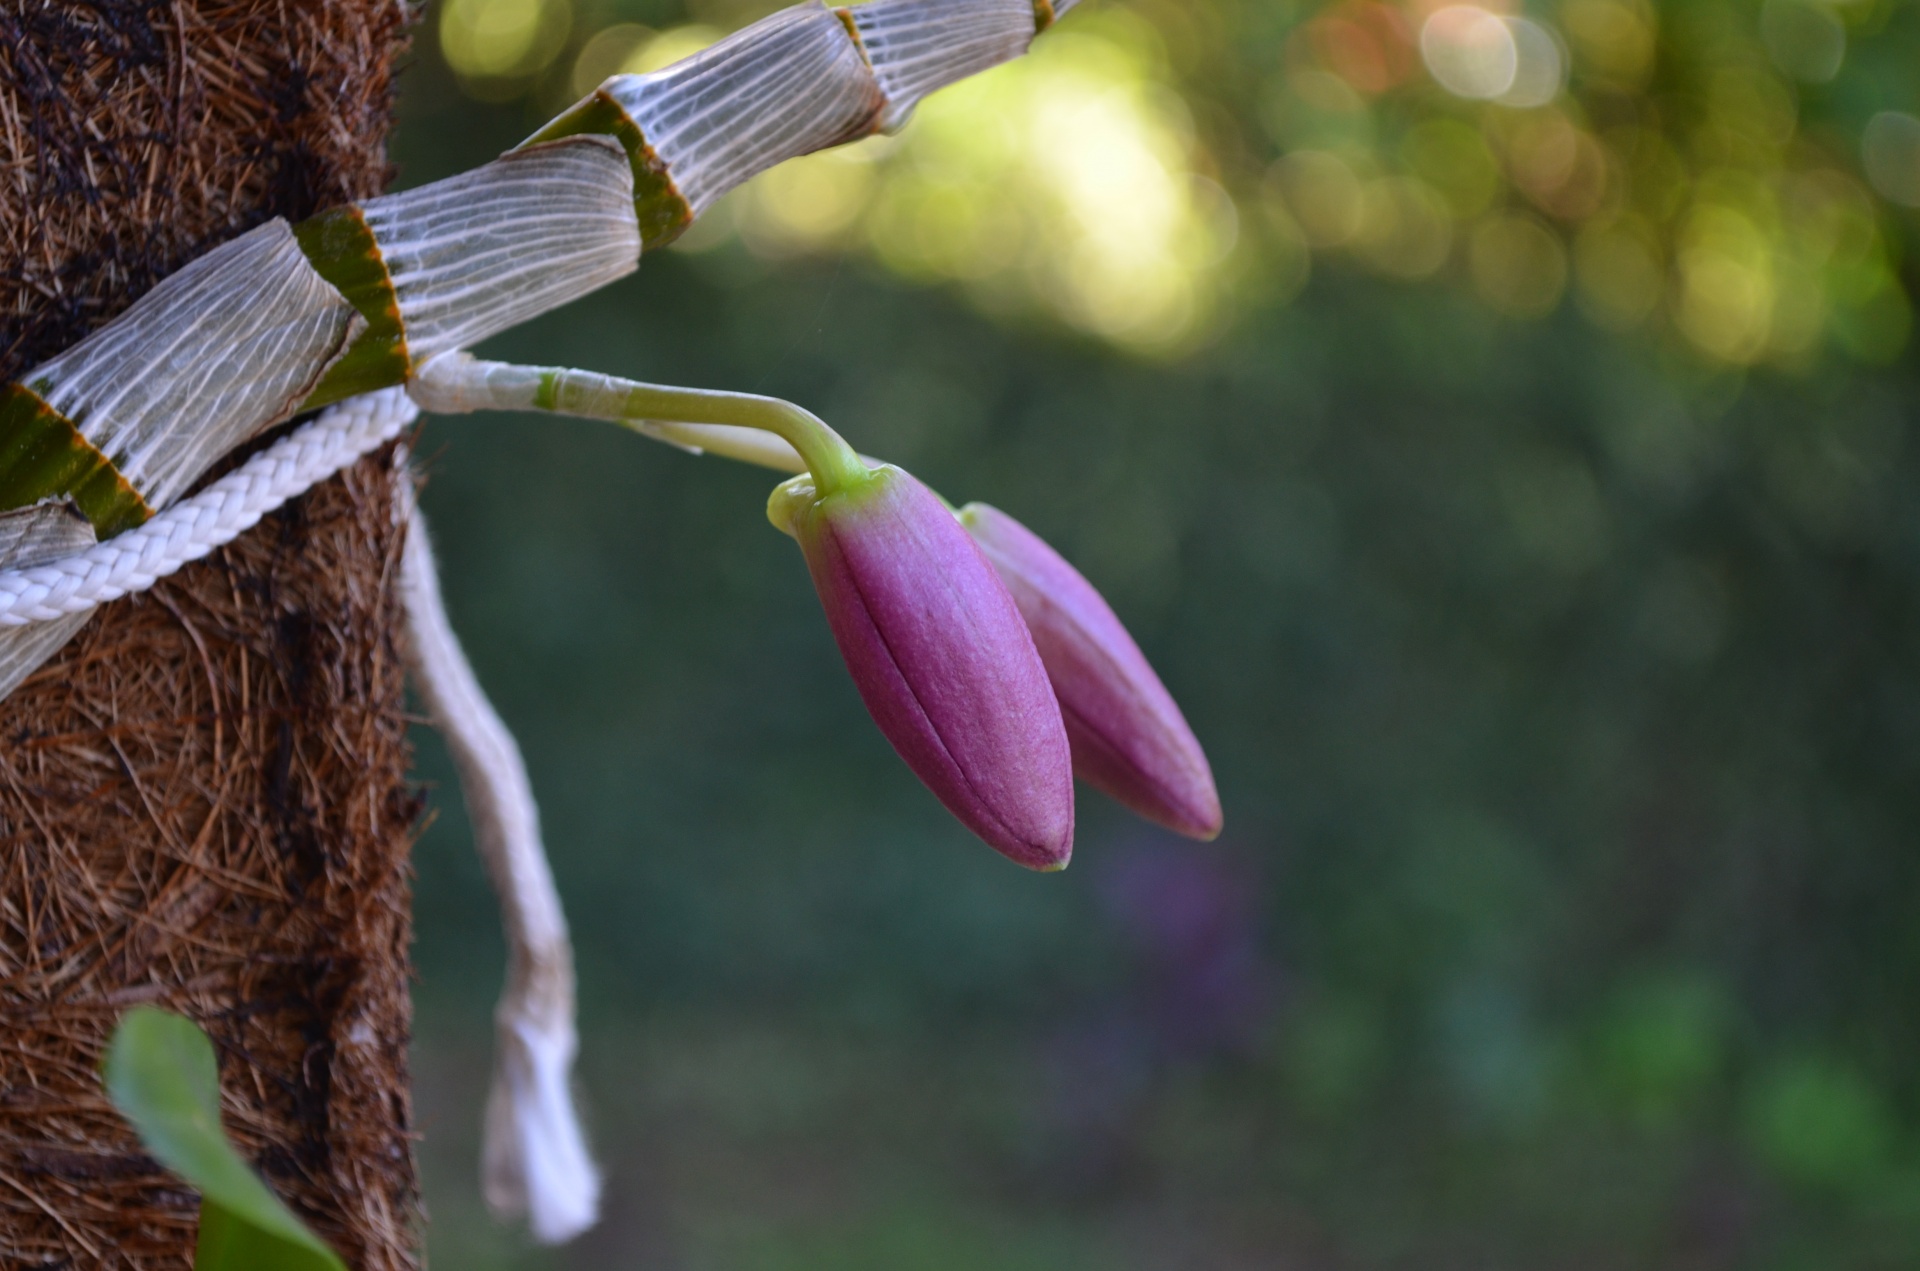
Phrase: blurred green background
(1494, 424)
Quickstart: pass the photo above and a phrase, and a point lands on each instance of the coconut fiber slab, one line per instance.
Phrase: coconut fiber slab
(204, 799)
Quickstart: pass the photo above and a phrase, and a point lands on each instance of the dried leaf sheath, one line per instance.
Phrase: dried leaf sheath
(29, 536)
(233, 342)
(786, 86)
(917, 47)
(488, 249)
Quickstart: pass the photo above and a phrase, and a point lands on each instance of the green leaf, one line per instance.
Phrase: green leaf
(161, 1075)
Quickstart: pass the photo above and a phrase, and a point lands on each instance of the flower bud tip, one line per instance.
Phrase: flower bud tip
(1128, 737)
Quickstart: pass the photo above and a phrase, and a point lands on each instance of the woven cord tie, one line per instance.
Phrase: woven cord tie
(186, 531)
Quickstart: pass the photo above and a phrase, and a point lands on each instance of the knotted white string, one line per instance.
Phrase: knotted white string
(535, 1162)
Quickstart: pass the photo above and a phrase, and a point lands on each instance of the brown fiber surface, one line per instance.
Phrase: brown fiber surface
(135, 134)
(203, 799)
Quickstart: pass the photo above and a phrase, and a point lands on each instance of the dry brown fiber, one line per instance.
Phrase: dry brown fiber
(204, 799)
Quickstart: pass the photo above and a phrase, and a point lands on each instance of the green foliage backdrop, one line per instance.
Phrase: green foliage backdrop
(1496, 426)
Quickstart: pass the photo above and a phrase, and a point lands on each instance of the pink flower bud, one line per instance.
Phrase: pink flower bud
(1129, 739)
(941, 656)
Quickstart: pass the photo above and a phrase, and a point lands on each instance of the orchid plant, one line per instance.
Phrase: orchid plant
(995, 670)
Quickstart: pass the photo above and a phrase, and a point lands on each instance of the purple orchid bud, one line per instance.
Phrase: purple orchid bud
(940, 654)
(1129, 739)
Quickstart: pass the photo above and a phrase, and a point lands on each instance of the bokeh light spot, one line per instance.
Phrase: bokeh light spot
(1064, 181)
(1560, 168)
(603, 56)
(1831, 218)
(502, 39)
(1804, 38)
(1324, 195)
(1890, 151)
(1619, 274)
(1726, 285)
(1752, 112)
(1614, 40)
(1470, 52)
(1657, 179)
(1518, 265)
(1818, 1122)
(811, 203)
(1453, 158)
(1366, 44)
(1799, 310)
(1540, 69)
(1405, 229)
(669, 47)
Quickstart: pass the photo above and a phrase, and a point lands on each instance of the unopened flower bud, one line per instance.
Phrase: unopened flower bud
(1128, 737)
(940, 654)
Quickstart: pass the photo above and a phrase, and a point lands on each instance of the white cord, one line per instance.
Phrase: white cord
(194, 526)
(534, 1162)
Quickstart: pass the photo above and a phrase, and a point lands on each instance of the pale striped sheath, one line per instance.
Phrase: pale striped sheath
(289, 318)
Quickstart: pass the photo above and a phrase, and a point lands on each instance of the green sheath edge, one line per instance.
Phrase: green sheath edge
(43, 456)
(657, 203)
(853, 33)
(341, 247)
